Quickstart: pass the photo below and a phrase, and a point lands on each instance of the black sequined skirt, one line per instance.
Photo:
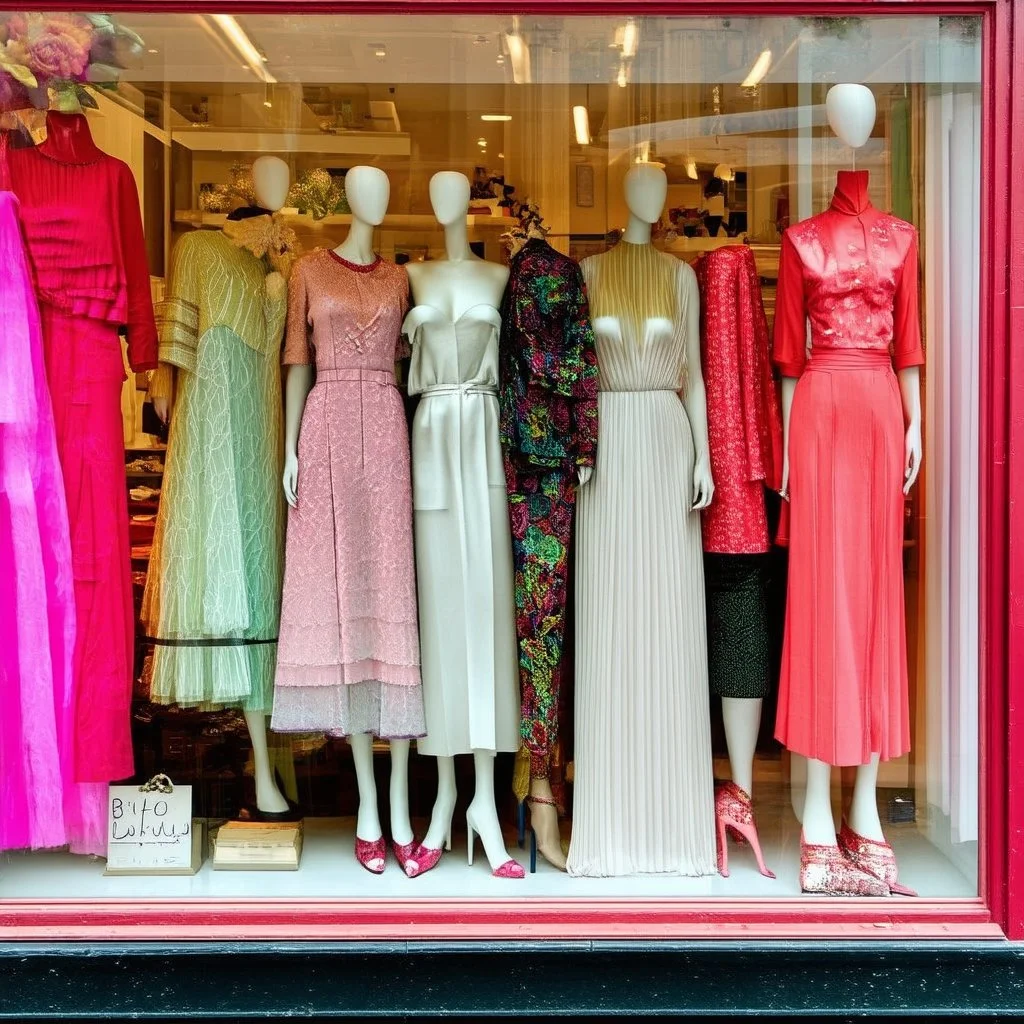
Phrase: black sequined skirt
(739, 657)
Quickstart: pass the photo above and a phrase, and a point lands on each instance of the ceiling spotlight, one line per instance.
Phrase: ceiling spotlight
(500, 59)
(480, 40)
(481, 142)
(495, 117)
(724, 172)
(501, 156)
(153, 50)
(691, 170)
(267, 103)
(630, 38)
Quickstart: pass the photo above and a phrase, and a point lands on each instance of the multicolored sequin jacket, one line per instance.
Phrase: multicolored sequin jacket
(548, 367)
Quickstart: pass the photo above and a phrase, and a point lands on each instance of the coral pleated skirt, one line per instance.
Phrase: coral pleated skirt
(843, 685)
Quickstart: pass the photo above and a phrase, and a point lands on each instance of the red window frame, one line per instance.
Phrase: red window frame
(999, 909)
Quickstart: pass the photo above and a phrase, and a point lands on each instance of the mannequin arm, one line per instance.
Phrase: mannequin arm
(788, 390)
(910, 389)
(161, 391)
(696, 399)
(297, 389)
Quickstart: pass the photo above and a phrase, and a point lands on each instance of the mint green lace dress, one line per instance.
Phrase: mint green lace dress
(213, 593)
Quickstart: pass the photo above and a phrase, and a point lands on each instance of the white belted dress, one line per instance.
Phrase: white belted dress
(469, 660)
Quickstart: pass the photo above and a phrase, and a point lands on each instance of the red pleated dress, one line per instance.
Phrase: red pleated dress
(852, 271)
(83, 228)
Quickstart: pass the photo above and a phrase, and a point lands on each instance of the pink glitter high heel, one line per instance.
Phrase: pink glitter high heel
(423, 858)
(734, 815)
(873, 857)
(510, 869)
(371, 854)
(825, 870)
(404, 853)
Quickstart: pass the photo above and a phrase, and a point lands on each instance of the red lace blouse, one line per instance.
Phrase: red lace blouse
(852, 271)
(83, 225)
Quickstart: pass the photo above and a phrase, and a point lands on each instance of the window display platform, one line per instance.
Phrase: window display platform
(328, 869)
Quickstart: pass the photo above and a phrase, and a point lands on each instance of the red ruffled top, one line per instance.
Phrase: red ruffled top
(83, 226)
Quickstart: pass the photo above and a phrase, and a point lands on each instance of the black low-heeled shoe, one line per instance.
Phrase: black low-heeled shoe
(268, 817)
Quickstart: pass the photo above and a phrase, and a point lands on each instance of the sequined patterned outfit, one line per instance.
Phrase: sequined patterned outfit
(852, 271)
(745, 442)
(548, 396)
(348, 650)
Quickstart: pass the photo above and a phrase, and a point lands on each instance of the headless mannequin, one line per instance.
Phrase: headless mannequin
(646, 188)
(368, 191)
(69, 139)
(271, 181)
(543, 807)
(453, 285)
(851, 115)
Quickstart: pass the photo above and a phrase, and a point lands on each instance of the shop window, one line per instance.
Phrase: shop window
(666, 157)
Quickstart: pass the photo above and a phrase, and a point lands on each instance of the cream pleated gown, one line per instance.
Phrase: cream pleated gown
(643, 798)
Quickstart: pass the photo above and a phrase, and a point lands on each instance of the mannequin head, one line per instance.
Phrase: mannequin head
(270, 180)
(646, 189)
(368, 191)
(851, 113)
(449, 196)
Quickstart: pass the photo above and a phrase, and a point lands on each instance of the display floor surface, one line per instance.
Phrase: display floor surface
(329, 870)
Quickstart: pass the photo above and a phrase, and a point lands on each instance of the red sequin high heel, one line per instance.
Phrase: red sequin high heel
(372, 855)
(874, 857)
(824, 870)
(734, 815)
(404, 853)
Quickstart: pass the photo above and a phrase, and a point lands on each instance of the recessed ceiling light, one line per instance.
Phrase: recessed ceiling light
(501, 156)
(495, 117)
(153, 50)
(267, 103)
(499, 59)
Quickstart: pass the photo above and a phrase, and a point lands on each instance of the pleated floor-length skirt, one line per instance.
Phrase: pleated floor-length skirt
(643, 799)
(843, 685)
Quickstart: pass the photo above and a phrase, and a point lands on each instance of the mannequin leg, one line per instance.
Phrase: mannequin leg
(401, 827)
(742, 719)
(440, 830)
(544, 822)
(268, 797)
(368, 819)
(864, 818)
(819, 825)
(482, 815)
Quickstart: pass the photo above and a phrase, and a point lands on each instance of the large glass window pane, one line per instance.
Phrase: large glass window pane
(650, 659)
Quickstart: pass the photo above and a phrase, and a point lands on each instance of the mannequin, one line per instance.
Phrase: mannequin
(74, 197)
(465, 598)
(851, 112)
(644, 800)
(377, 675)
(271, 182)
(745, 428)
(549, 426)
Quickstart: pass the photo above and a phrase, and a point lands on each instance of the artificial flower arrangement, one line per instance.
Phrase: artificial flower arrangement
(318, 193)
(47, 59)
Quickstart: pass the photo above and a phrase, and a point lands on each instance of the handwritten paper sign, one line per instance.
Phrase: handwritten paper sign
(152, 832)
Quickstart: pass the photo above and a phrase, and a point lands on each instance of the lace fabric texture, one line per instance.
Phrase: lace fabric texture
(216, 565)
(348, 655)
(744, 415)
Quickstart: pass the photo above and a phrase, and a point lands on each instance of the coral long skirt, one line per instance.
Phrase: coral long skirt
(843, 686)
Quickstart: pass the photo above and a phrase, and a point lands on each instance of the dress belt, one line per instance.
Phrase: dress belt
(469, 388)
(343, 375)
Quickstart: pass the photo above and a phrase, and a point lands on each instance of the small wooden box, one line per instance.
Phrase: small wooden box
(257, 846)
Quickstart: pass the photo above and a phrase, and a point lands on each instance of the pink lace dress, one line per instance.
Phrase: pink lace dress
(348, 649)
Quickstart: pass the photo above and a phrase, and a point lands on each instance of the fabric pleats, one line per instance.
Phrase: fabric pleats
(643, 791)
(41, 804)
(843, 687)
